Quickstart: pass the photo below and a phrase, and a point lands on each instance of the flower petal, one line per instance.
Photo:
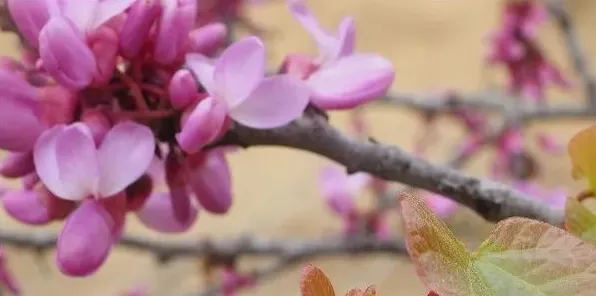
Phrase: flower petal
(204, 70)
(26, 207)
(334, 186)
(65, 54)
(19, 126)
(239, 70)
(124, 156)
(81, 13)
(212, 184)
(85, 241)
(203, 125)
(17, 165)
(351, 81)
(66, 161)
(107, 9)
(207, 39)
(29, 16)
(442, 206)
(275, 102)
(347, 38)
(327, 43)
(158, 214)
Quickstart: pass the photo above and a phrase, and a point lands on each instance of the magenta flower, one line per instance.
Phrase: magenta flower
(344, 79)
(442, 206)
(7, 279)
(340, 189)
(233, 282)
(71, 167)
(515, 47)
(35, 207)
(556, 198)
(177, 19)
(238, 88)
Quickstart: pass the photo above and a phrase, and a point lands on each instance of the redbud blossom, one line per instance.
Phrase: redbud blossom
(247, 96)
(72, 168)
(210, 180)
(136, 28)
(35, 207)
(29, 16)
(177, 20)
(442, 206)
(208, 39)
(19, 125)
(17, 165)
(183, 89)
(556, 198)
(232, 281)
(7, 279)
(340, 189)
(157, 213)
(344, 79)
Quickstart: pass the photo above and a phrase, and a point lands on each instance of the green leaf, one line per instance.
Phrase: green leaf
(521, 257)
(580, 221)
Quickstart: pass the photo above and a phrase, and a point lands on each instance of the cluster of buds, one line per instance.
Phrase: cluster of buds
(515, 47)
(114, 99)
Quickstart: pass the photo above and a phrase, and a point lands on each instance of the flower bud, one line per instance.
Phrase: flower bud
(183, 89)
(177, 20)
(19, 127)
(65, 54)
(29, 16)
(85, 241)
(202, 125)
(208, 39)
(17, 165)
(211, 183)
(158, 214)
(135, 30)
(104, 45)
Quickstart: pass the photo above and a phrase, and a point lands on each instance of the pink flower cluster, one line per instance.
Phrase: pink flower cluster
(115, 99)
(340, 191)
(515, 47)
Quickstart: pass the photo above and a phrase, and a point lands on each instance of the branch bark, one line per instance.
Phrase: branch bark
(491, 200)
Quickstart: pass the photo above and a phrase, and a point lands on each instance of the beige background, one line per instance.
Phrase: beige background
(433, 44)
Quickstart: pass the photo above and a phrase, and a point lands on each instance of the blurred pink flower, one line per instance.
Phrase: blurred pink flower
(7, 279)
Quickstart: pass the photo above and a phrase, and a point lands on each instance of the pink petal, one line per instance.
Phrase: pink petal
(65, 54)
(19, 126)
(549, 144)
(26, 207)
(29, 16)
(275, 102)
(202, 126)
(124, 156)
(328, 44)
(107, 9)
(137, 26)
(351, 81)
(204, 69)
(66, 161)
(177, 20)
(211, 183)
(182, 89)
(17, 165)
(116, 207)
(104, 44)
(347, 38)
(442, 206)
(80, 13)
(334, 186)
(239, 70)
(208, 39)
(85, 241)
(158, 214)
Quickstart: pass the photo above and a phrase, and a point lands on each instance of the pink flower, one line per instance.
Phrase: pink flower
(237, 88)
(175, 23)
(340, 189)
(136, 28)
(71, 167)
(35, 207)
(233, 282)
(556, 198)
(442, 206)
(60, 29)
(344, 79)
(7, 279)
(207, 39)
(515, 47)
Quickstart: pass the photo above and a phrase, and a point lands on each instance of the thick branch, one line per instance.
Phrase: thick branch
(491, 200)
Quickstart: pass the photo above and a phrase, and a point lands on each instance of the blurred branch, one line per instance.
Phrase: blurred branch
(574, 47)
(244, 245)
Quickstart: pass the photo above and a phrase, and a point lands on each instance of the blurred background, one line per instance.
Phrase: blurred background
(434, 45)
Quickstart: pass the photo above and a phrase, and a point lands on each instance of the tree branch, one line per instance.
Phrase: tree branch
(491, 200)
(244, 245)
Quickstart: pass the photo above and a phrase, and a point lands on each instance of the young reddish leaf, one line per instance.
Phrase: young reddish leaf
(442, 262)
(370, 291)
(583, 156)
(432, 293)
(315, 283)
(521, 257)
(532, 258)
(580, 221)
